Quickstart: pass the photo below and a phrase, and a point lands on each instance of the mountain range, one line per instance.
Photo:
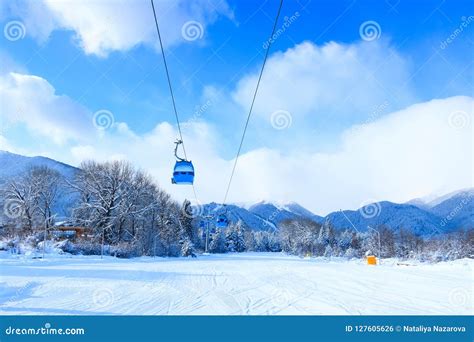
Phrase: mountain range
(14, 164)
(423, 217)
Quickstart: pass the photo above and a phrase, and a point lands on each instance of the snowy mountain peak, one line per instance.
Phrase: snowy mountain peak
(430, 201)
(462, 192)
(15, 164)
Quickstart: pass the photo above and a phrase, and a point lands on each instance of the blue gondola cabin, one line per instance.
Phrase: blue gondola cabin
(183, 172)
(222, 221)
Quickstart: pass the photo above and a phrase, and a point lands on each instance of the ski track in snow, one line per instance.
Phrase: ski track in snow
(232, 284)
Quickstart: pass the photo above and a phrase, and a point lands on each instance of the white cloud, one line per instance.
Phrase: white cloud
(83, 152)
(5, 145)
(407, 154)
(32, 101)
(330, 82)
(105, 26)
(36, 16)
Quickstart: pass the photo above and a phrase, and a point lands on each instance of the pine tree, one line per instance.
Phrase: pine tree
(217, 242)
(249, 241)
(235, 240)
(328, 251)
(187, 249)
(187, 230)
(186, 219)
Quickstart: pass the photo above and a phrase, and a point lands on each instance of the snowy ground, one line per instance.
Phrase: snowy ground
(248, 283)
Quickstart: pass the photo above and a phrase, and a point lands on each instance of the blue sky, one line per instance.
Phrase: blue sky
(331, 82)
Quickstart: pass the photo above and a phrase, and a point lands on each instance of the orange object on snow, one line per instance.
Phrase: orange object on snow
(371, 260)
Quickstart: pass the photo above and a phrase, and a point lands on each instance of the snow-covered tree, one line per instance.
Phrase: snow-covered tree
(387, 242)
(235, 240)
(217, 242)
(123, 204)
(328, 251)
(326, 234)
(47, 183)
(344, 240)
(187, 248)
(408, 244)
(28, 200)
(299, 236)
(249, 241)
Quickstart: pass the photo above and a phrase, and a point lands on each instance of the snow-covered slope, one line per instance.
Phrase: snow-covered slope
(233, 284)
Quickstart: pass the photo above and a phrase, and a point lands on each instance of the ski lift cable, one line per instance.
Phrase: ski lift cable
(270, 40)
(168, 78)
(171, 88)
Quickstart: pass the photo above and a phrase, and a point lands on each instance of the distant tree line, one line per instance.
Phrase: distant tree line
(127, 214)
(306, 237)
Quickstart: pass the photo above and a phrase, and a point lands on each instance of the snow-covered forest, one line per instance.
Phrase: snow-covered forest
(124, 213)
